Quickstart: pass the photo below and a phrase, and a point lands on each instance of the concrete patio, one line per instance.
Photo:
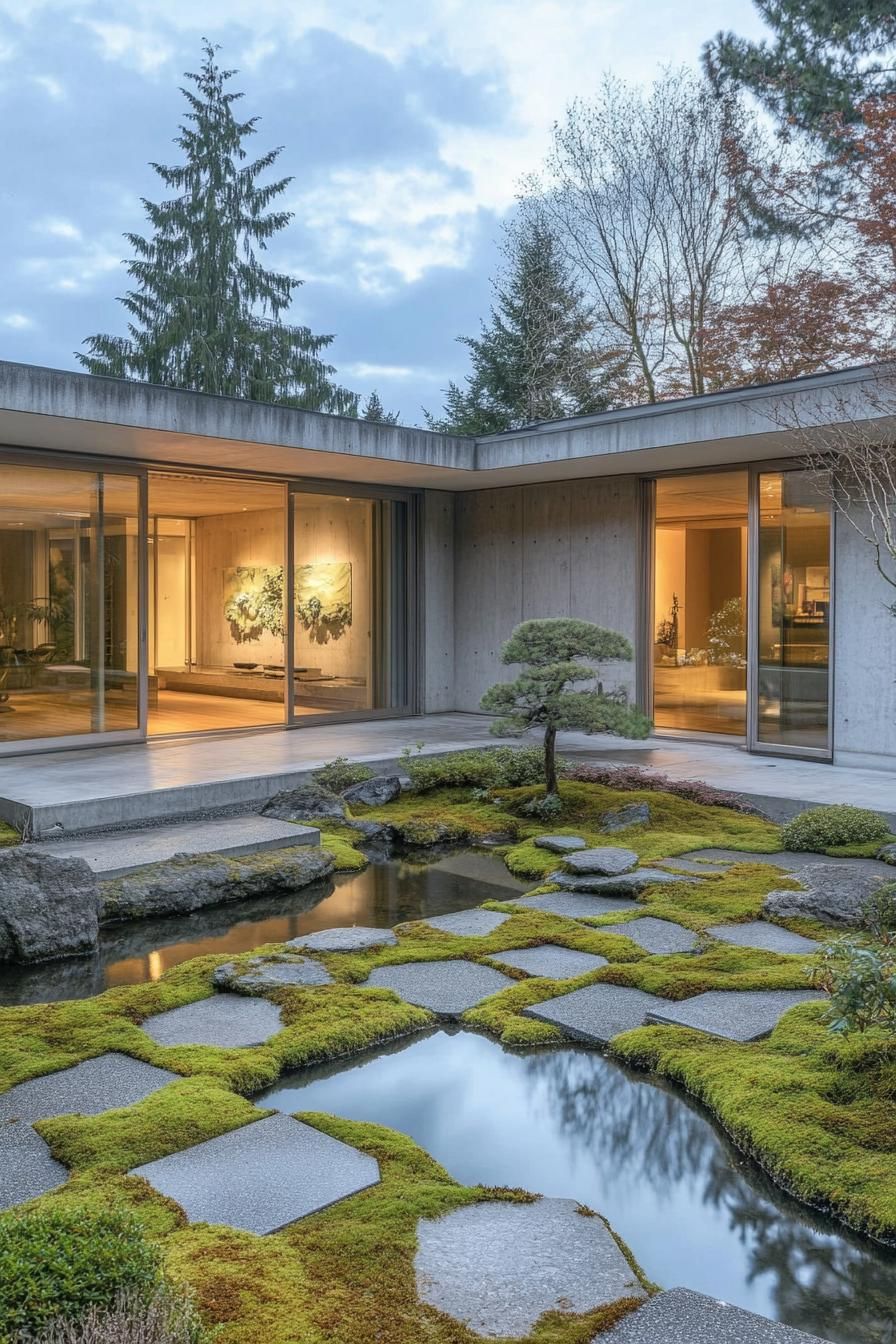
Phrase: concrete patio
(69, 791)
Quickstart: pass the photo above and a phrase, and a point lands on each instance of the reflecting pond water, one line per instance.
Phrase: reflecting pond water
(572, 1123)
(387, 892)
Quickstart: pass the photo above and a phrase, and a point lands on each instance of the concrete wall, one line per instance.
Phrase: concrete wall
(563, 549)
(437, 633)
(865, 657)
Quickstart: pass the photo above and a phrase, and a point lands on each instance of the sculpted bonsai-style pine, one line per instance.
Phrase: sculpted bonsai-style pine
(560, 687)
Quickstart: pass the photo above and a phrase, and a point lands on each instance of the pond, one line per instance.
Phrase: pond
(386, 893)
(571, 1123)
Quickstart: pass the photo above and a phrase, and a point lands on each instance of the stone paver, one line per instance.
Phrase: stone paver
(560, 844)
(736, 1015)
(793, 861)
(356, 939)
(596, 1013)
(550, 959)
(498, 1267)
(228, 1020)
(448, 988)
(468, 923)
(768, 937)
(683, 1317)
(699, 867)
(26, 1167)
(100, 1084)
(261, 1177)
(658, 936)
(606, 861)
(574, 906)
(626, 884)
(260, 974)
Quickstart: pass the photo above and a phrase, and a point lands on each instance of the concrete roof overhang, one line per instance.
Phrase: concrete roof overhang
(74, 413)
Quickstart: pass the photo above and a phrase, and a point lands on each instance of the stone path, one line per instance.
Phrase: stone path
(655, 935)
(767, 937)
(606, 861)
(261, 974)
(736, 1015)
(448, 988)
(355, 939)
(497, 1267)
(574, 906)
(262, 1176)
(560, 844)
(228, 1020)
(683, 1317)
(793, 862)
(552, 960)
(468, 923)
(596, 1013)
(626, 884)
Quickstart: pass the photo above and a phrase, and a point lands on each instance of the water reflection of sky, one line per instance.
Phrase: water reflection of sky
(571, 1123)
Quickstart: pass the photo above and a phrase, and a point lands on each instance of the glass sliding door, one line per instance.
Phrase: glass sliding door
(71, 560)
(350, 604)
(793, 614)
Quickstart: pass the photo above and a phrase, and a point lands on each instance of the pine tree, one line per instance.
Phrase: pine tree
(375, 411)
(532, 360)
(205, 314)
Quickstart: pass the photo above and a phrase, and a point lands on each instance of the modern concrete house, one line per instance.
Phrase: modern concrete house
(176, 563)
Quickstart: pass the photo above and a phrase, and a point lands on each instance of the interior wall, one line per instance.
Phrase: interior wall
(568, 548)
(329, 528)
(223, 542)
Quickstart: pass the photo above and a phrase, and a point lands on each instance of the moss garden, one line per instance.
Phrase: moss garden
(814, 1109)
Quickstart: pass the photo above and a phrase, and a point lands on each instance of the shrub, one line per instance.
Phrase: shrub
(861, 979)
(879, 913)
(632, 779)
(165, 1318)
(835, 824)
(479, 768)
(60, 1263)
(341, 774)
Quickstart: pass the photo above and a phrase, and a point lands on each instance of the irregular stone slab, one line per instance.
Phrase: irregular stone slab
(658, 936)
(306, 802)
(111, 855)
(469, 923)
(273, 972)
(575, 907)
(27, 1168)
(606, 861)
(228, 1020)
(374, 792)
(736, 1015)
(49, 906)
(626, 884)
(560, 844)
(100, 1084)
(596, 1013)
(448, 988)
(498, 1267)
(620, 818)
(261, 1177)
(833, 894)
(700, 867)
(683, 1317)
(355, 939)
(768, 937)
(550, 959)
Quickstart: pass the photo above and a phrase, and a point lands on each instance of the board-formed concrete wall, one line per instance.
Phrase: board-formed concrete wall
(864, 658)
(437, 578)
(569, 548)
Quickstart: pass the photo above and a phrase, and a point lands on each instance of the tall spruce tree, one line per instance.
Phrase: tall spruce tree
(375, 410)
(531, 361)
(205, 314)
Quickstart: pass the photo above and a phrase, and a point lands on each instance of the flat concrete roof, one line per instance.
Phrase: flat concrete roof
(78, 413)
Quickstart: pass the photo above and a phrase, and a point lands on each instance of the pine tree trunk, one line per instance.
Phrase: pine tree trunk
(550, 761)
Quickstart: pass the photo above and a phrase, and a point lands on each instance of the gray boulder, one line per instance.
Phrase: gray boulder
(560, 844)
(625, 884)
(49, 906)
(379, 832)
(887, 854)
(833, 893)
(262, 974)
(374, 792)
(607, 861)
(191, 881)
(619, 818)
(306, 802)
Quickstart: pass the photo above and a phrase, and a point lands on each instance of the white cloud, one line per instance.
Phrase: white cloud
(50, 85)
(392, 372)
(74, 272)
(58, 228)
(138, 47)
(17, 321)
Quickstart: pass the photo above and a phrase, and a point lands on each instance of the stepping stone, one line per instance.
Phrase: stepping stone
(264, 973)
(696, 866)
(448, 988)
(550, 959)
(355, 939)
(768, 937)
(620, 818)
(606, 861)
(658, 936)
(96, 1085)
(228, 1020)
(27, 1168)
(736, 1015)
(560, 844)
(625, 884)
(498, 1267)
(596, 1013)
(469, 923)
(575, 907)
(683, 1317)
(262, 1176)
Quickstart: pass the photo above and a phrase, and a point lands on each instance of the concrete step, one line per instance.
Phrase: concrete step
(112, 854)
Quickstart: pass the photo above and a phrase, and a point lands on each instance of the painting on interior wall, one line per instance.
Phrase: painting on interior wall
(324, 598)
(253, 602)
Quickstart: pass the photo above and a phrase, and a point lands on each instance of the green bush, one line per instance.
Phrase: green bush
(478, 768)
(827, 827)
(341, 774)
(59, 1263)
(166, 1318)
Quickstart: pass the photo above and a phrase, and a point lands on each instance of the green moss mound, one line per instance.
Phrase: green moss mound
(835, 826)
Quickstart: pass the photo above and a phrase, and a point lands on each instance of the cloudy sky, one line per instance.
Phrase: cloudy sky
(405, 125)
